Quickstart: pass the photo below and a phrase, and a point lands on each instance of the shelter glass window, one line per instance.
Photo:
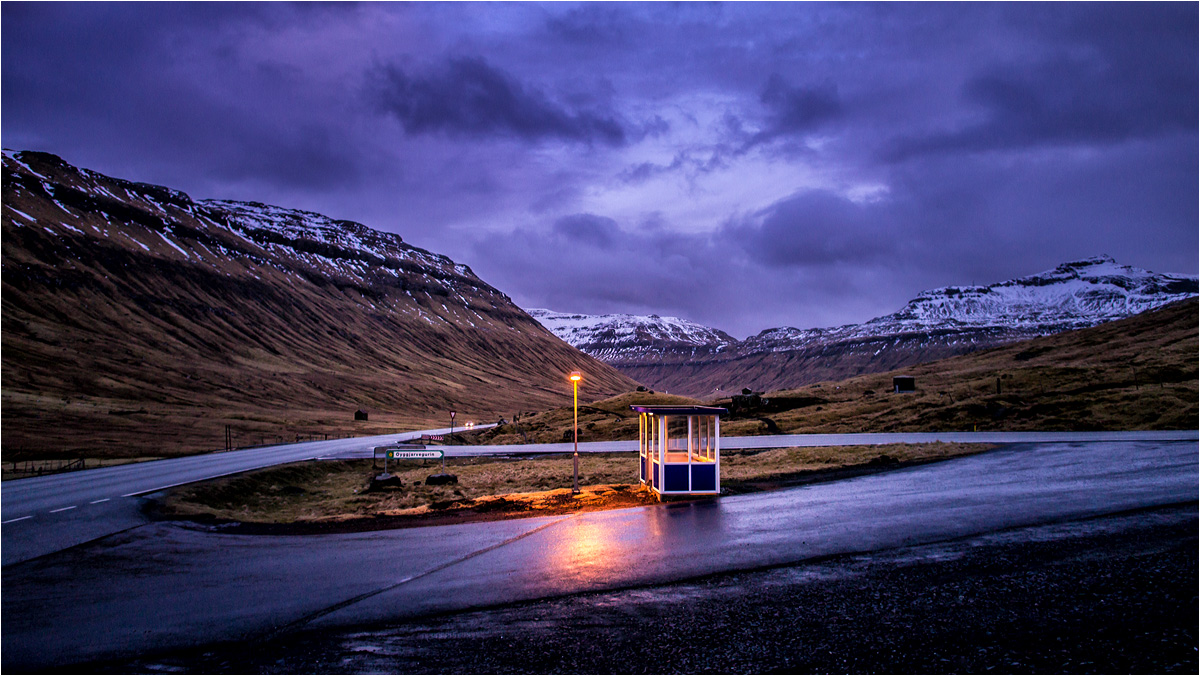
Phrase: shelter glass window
(677, 438)
(703, 439)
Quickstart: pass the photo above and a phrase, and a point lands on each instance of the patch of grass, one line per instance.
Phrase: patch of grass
(341, 490)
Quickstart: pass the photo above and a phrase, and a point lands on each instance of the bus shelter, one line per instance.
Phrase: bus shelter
(679, 448)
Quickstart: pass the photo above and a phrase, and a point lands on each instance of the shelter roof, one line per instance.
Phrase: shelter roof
(680, 410)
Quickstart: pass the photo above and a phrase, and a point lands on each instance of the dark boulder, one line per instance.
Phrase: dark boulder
(385, 481)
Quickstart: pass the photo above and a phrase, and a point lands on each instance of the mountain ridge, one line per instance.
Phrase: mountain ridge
(937, 323)
(144, 322)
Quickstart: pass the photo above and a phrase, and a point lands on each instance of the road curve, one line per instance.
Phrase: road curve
(166, 586)
(46, 514)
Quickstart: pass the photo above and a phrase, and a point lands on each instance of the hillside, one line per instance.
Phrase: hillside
(1138, 373)
(139, 322)
(938, 323)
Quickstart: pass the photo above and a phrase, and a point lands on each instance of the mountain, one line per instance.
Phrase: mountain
(633, 339)
(137, 320)
(936, 324)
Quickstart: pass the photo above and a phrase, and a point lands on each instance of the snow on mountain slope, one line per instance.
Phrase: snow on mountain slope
(619, 337)
(340, 246)
(1072, 296)
(686, 358)
(130, 296)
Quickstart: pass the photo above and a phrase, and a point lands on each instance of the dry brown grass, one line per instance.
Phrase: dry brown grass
(116, 349)
(1135, 374)
(339, 491)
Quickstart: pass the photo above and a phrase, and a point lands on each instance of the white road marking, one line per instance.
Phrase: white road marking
(20, 518)
(62, 509)
(96, 502)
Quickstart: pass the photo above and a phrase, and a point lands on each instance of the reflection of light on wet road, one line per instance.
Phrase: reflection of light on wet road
(596, 549)
(588, 550)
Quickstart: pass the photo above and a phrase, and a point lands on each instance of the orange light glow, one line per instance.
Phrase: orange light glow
(576, 376)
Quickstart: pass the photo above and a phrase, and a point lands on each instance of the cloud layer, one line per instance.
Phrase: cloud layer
(743, 165)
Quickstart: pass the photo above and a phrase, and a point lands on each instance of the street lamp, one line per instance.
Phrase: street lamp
(575, 377)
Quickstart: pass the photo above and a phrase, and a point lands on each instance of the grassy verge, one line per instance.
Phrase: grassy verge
(338, 495)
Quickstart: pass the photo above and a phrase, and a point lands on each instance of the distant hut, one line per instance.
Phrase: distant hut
(904, 384)
(360, 414)
(746, 402)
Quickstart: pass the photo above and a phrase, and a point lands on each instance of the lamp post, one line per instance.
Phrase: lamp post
(575, 377)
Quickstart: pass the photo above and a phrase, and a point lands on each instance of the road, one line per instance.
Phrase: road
(866, 439)
(165, 586)
(46, 514)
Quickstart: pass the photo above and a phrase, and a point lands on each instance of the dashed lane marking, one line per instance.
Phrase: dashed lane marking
(62, 509)
(19, 518)
(96, 502)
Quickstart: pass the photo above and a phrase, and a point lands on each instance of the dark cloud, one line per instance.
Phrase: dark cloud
(717, 278)
(798, 110)
(591, 25)
(468, 97)
(590, 229)
(817, 228)
(159, 88)
(1116, 74)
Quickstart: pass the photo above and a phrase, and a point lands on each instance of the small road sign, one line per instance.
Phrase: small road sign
(415, 455)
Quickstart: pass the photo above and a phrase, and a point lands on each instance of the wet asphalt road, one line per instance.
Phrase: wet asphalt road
(42, 515)
(166, 586)
(47, 514)
(1110, 594)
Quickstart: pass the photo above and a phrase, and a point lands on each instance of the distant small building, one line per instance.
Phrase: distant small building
(904, 384)
(360, 414)
(746, 402)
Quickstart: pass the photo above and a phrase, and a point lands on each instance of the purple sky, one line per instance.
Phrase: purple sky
(741, 165)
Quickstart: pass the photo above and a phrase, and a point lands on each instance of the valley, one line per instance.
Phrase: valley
(140, 323)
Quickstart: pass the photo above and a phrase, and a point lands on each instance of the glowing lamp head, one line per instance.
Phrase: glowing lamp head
(575, 376)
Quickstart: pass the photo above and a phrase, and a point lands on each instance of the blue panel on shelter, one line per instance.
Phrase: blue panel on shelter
(704, 477)
(675, 478)
(642, 468)
(656, 485)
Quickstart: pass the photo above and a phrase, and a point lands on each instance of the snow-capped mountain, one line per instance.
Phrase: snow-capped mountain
(1072, 296)
(620, 338)
(937, 323)
(137, 296)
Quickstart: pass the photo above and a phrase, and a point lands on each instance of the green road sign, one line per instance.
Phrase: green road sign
(414, 455)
